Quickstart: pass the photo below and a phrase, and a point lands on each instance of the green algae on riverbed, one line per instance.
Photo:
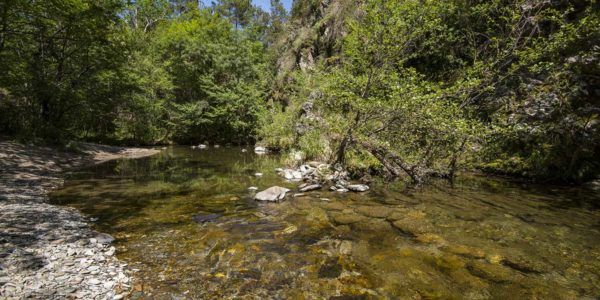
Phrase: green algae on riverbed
(480, 239)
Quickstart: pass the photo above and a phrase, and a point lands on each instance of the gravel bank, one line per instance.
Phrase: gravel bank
(48, 251)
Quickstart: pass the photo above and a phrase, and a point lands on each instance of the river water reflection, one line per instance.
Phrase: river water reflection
(481, 239)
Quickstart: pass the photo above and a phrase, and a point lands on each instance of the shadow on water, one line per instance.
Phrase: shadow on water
(186, 220)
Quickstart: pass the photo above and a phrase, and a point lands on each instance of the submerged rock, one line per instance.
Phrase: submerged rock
(465, 251)
(310, 187)
(358, 187)
(335, 206)
(495, 273)
(374, 211)
(205, 218)
(274, 193)
(430, 238)
(330, 269)
(525, 265)
(345, 219)
(412, 227)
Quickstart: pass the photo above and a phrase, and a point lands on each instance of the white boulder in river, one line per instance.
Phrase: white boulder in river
(202, 146)
(274, 193)
(260, 150)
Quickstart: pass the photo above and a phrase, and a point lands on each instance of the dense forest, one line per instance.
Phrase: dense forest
(398, 88)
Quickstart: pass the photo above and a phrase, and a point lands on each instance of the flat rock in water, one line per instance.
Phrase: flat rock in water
(310, 187)
(205, 218)
(274, 193)
(358, 187)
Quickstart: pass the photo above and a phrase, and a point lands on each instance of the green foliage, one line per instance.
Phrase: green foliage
(152, 71)
(276, 130)
(216, 76)
(506, 86)
(57, 58)
(314, 145)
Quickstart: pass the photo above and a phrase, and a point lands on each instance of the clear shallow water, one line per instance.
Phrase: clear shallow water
(481, 239)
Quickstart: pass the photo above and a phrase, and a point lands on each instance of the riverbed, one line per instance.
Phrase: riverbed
(478, 239)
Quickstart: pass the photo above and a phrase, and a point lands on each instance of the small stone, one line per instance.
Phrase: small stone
(252, 188)
(311, 187)
(358, 187)
(204, 218)
(104, 239)
(94, 281)
(290, 229)
(93, 268)
(258, 174)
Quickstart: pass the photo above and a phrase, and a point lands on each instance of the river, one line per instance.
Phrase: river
(479, 239)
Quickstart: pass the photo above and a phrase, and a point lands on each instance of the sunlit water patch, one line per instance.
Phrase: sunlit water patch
(481, 239)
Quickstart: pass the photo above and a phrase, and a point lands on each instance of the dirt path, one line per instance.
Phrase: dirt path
(48, 251)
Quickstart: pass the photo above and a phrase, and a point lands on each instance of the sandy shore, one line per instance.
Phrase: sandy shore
(48, 251)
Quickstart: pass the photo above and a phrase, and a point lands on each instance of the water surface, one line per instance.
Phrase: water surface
(481, 239)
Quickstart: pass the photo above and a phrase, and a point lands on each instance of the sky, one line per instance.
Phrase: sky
(266, 4)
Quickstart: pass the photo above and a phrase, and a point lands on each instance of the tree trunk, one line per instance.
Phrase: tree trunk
(393, 162)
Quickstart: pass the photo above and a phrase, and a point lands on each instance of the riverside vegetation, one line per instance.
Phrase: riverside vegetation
(411, 89)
